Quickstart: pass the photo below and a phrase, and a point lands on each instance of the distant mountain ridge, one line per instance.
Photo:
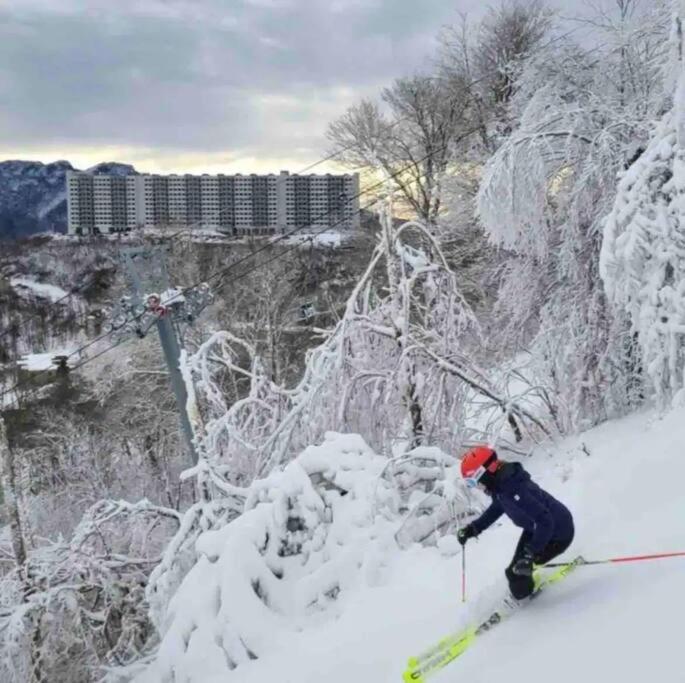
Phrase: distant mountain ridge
(33, 195)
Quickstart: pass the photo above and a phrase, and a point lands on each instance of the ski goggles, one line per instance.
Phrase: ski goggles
(473, 480)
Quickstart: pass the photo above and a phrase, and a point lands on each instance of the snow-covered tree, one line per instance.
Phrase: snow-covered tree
(543, 197)
(415, 144)
(395, 368)
(643, 254)
(490, 56)
(71, 609)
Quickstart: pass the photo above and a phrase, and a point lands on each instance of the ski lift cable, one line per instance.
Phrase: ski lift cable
(329, 157)
(79, 288)
(286, 235)
(95, 340)
(471, 84)
(280, 238)
(375, 186)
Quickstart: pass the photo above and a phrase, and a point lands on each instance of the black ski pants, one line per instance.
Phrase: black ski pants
(522, 586)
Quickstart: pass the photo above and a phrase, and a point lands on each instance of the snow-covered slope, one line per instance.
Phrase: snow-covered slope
(623, 482)
(609, 622)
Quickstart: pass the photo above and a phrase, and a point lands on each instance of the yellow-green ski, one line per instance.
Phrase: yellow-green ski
(422, 666)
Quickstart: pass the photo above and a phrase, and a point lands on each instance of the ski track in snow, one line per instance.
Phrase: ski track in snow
(603, 623)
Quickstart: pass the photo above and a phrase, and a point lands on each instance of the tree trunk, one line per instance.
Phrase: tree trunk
(408, 377)
(9, 488)
(415, 412)
(680, 94)
(19, 544)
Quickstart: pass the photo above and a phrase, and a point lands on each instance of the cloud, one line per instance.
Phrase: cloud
(249, 79)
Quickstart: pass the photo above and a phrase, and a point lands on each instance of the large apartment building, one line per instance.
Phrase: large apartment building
(232, 204)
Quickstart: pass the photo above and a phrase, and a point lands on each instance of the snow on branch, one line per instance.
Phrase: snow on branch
(80, 606)
(543, 197)
(643, 251)
(514, 194)
(643, 257)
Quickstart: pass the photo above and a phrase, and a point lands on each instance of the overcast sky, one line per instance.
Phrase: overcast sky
(200, 85)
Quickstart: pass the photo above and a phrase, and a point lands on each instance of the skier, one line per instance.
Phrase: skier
(547, 524)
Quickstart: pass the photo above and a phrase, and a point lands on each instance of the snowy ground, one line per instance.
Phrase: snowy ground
(328, 238)
(623, 481)
(24, 285)
(40, 362)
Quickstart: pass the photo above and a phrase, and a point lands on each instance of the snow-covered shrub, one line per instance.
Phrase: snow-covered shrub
(310, 532)
(432, 501)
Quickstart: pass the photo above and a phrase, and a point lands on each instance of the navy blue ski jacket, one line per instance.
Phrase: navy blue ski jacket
(528, 506)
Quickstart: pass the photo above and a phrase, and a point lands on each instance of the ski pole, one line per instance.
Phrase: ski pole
(463, 573)
(619, 560)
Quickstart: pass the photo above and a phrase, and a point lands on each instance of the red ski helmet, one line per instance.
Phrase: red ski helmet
(476, 462)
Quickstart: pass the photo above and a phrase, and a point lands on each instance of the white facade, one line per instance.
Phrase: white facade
(235, 204)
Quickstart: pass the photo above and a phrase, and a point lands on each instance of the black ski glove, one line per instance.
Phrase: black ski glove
(524, 565)
(465, 533)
